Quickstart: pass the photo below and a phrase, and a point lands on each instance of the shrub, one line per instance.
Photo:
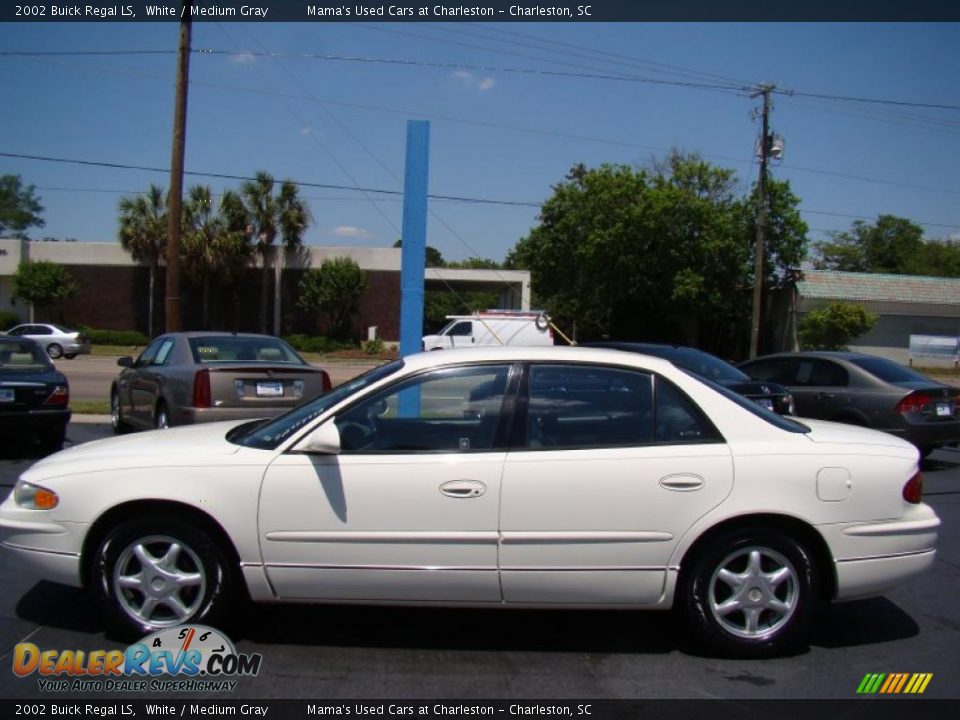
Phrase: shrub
(115, 337)
(8, 320)
(833, 327)
(317, 344)
(372, 347)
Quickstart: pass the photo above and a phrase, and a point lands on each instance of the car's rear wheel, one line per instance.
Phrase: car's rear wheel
(161, 418)
(54, 350)
(117, 422)
(750, 593)
(154, 573)
(53, 439)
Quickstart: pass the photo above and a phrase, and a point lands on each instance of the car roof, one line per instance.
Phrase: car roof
(832, 354)
(554, 353)
(218, 333)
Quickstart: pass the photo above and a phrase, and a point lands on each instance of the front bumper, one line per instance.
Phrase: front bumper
(42, 546)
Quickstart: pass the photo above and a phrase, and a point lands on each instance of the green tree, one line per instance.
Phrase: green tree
(334, 289)
(214, 245)
(143, 234)
(270, 216)
(656, 253)
(43, 283)
(20, 208)
(890, 245)
(833, 327)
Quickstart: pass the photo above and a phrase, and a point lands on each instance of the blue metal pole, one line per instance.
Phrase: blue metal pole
(413, 255)
(414, 236)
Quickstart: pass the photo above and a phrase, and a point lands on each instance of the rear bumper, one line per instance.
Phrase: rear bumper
(932, 434)
(192, 415)
(872, 557)
(34, 420)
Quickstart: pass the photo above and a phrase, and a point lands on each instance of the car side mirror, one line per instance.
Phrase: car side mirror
(126, 361)
(324, 440)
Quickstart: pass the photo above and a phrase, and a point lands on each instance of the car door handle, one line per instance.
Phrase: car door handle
(463, 488)
(682, 483)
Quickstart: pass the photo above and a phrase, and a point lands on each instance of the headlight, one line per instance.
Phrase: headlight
(34, 497)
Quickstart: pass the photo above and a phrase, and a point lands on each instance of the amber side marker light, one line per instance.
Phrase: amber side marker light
(35, 497)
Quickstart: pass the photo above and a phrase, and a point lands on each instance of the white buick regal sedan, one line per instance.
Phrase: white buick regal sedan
(508, 477)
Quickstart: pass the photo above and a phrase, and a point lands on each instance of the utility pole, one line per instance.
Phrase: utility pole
(765, 138)
(175, 199)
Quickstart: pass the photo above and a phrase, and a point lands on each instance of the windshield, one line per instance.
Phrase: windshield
(268, 435)
(753, 407)
(23, 356)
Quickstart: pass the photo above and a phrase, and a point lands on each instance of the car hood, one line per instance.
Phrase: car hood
(189, 445)
(823, 431)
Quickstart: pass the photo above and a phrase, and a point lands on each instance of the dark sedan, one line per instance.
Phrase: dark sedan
(866, 390)
(33, 394)
(770, 395)
(195, 377)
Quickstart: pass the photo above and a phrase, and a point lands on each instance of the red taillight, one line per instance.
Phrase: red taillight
(913, 490)
(914, 402)
(327, 385)
(201, 389)
(59, 396)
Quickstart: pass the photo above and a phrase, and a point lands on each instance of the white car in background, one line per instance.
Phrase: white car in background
(57, 340)
(500, 477)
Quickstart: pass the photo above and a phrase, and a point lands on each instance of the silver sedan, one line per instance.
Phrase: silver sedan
(195, 377)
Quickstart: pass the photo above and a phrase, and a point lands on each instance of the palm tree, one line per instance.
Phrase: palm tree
(143, 234)
(271, 215)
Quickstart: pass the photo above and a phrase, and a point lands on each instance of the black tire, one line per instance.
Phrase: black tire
(750, 593)
(161, 416)
(117, 422)
(187, 581)
(54, 351)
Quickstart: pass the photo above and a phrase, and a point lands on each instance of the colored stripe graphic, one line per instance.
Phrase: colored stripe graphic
(894, 683)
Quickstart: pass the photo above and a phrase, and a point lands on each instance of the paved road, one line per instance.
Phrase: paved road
(90, 375)
(326, 653)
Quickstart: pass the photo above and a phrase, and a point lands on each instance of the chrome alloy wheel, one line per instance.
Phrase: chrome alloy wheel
(159, 581)
(754, 592)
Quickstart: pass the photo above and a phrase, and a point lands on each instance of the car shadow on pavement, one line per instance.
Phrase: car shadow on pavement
(61, 606)
(862, 622)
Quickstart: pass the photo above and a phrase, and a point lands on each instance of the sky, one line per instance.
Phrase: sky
(511, 106)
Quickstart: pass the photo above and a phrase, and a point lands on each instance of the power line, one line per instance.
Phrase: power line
(244, 178)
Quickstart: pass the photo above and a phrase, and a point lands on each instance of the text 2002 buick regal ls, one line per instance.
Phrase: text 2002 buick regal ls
(513, 477)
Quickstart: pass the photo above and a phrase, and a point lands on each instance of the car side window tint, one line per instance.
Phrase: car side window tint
(779, 370)
(163, 352)
(449, 410)
(147, 356)
(17, 332)
(830, 374)
(679, 420)
(573, 407)
(462, 329)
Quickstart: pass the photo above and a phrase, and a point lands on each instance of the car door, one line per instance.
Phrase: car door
(612, 467)
(143, 382)
(820, 388)
(408, 509)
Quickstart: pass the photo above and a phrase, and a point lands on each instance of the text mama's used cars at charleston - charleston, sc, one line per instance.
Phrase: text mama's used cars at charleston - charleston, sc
(501, 477)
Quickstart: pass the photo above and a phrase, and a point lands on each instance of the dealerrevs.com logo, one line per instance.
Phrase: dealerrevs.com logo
(186, 658)
(894, 683)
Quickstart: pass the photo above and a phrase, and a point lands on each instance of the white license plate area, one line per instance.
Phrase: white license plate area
(7, 395)
(944, 410)
(763, 402)
(269, 389)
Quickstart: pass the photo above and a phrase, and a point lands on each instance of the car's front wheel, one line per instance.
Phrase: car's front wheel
(117, 422)
(156, 573)
(751, 593)
(161, 418)
(54, 351)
